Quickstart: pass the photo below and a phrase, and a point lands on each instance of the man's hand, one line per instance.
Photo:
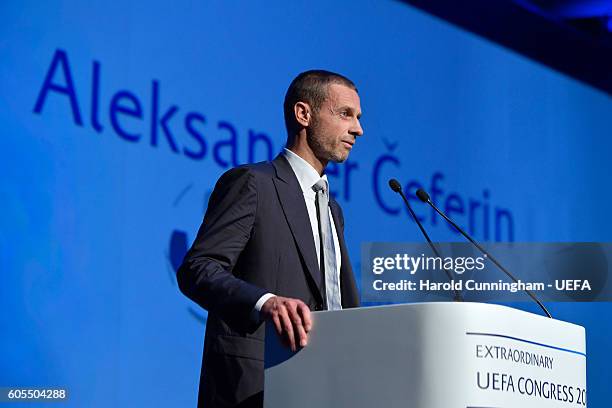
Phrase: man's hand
(291, 319)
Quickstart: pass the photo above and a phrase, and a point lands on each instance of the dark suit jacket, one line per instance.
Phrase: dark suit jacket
(256, 238)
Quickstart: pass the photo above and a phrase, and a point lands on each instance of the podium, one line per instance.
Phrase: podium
(429, 355)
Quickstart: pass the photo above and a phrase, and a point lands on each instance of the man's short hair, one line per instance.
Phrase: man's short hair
(310, 87)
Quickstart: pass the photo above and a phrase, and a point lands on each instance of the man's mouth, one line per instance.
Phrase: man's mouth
(348, 144)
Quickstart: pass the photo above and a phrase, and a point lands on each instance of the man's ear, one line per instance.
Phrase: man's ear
(303, 113)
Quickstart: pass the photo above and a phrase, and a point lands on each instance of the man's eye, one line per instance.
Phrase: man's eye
(344, 113)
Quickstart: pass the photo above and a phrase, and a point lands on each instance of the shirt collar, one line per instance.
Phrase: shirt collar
(306, 174)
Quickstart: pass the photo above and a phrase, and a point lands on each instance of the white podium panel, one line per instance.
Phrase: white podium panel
(430, 355)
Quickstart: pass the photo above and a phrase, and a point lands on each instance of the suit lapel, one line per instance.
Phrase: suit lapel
(292, 201)
(348, 287)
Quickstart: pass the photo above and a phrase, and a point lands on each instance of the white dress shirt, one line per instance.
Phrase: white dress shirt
(307, 176)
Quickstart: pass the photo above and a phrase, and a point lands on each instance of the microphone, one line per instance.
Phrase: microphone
(424, 197)
(397, 187)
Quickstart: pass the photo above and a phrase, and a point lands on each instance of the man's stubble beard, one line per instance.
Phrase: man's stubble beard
(327, 152)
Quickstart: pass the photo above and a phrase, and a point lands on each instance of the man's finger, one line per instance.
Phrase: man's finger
(305, 313)
(277, 324)
(287, 327)
(299, 327)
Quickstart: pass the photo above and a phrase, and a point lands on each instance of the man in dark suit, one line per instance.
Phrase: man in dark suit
(271, 246)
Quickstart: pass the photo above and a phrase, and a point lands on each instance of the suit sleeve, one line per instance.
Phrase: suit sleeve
(206, 273)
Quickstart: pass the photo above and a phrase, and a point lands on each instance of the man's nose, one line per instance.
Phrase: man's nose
(357, 130)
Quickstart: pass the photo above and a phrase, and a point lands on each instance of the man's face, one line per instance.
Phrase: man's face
(336, 125)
